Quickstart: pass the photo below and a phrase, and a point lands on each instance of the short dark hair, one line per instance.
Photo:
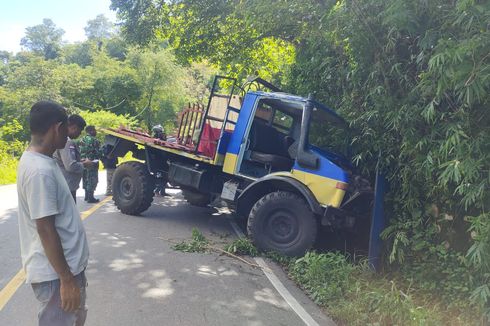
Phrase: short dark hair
(77, 120)
(44, 114)
(90, 128)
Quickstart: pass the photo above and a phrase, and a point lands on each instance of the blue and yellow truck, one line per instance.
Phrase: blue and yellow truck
(268, 155)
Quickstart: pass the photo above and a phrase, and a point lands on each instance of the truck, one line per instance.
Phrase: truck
(254, 148)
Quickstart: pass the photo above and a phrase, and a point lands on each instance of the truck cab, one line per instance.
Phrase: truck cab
(273, 157)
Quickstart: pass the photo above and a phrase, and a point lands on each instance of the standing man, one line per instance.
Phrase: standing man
(90, 150)
(68, 158)
(110, 164)
(53, 243)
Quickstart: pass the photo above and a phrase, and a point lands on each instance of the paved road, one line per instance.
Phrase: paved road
(136, 278)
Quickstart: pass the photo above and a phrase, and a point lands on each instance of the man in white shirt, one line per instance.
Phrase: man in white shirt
(53, 243)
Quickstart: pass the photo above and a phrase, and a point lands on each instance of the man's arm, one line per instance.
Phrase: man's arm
(69, 289)
(69, 159)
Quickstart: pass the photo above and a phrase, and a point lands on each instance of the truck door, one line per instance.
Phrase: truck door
(238, 140)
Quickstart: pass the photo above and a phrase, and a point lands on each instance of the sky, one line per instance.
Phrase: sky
(70, 15)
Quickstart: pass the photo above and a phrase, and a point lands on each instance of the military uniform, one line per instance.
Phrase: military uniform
(68, 160)
(90, 149)
(110, 164)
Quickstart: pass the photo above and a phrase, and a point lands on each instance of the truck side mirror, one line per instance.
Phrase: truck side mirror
(306, 158)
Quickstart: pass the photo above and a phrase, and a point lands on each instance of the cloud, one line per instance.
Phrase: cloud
(10, 36)
(74, 34)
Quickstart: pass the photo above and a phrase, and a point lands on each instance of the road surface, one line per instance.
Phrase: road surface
(136, 278)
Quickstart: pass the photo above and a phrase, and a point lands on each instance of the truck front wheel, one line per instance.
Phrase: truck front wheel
(281, 221)
(132, 186)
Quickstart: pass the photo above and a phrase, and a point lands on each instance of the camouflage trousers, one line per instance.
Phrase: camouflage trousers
(90, 179)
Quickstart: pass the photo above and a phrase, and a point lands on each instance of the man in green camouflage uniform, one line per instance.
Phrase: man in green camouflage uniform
(90, 150)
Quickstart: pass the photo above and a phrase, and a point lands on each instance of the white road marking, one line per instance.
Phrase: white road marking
(278, 285)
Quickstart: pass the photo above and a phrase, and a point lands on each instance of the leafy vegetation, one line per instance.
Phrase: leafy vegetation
(8, 165)
(104, 79)
(10, 150)
(242, 246)
(412, 78)
(198, 243)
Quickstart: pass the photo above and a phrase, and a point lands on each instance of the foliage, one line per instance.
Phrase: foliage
(242, 246)
(8, 165)
(353, 295)
(103, 78)
(162, 83)
(10, 149)
(413, 80)
(324, 276)
(199, 243)
(43, 39)
(99, 28)
(81, 54)
(106, 119)
(215, 31)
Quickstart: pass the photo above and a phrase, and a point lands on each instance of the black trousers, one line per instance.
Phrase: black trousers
(74, 195)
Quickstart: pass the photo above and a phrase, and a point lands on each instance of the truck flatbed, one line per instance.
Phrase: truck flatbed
(145, 139)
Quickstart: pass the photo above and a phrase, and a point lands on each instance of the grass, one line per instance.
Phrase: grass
(352, 294)
(8, 169)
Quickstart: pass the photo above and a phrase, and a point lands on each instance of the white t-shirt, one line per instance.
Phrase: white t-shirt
(43, 192)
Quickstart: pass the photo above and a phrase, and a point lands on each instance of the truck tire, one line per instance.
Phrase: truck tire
(281, 221)
(133, 187)
(196, 198)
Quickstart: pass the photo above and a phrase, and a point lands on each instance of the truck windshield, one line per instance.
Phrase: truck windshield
(327, 135)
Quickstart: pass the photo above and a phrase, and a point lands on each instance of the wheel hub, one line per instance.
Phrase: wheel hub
(126, 187)
(282, 226)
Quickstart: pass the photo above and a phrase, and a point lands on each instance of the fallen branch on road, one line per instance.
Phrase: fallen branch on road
(198, 244)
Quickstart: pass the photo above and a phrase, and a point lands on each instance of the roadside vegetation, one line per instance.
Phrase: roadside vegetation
(413, 80)
(411, 77)
(106, 80)
(352, 294)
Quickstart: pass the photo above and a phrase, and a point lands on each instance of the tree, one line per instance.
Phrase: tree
(80, 53)
(43, 39)
(219, 32)
(162, 82)
(5, 58)
(117, 48)
(99, 28)
(115, 86)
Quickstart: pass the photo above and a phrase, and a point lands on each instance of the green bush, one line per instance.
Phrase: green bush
(353, 295)
(106, 119)
(8, 168)
(10, 150)
(324, 276)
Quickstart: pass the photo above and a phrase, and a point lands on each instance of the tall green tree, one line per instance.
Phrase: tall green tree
(43, 39)
(162, 82)
(99, 28)
(215, 31)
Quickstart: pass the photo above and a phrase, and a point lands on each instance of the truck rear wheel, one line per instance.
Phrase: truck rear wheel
(196, 198)
(281, 221)
(133, 187)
